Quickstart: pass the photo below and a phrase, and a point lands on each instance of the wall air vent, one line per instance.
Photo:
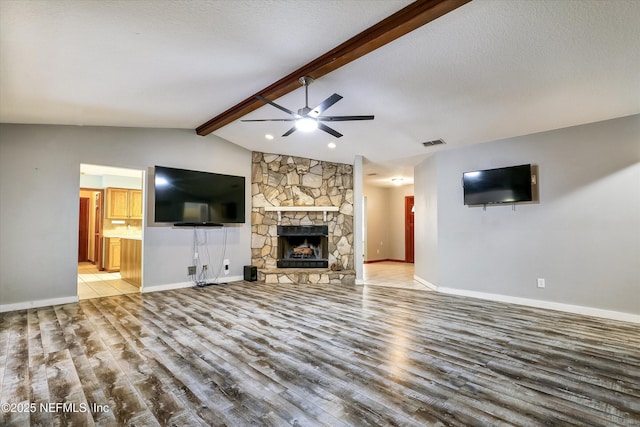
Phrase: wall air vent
(434, 142)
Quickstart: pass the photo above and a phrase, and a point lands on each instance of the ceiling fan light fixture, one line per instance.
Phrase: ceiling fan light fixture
(306, 124)
(308, 119)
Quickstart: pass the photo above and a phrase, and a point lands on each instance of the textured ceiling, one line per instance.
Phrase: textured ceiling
(488, 70)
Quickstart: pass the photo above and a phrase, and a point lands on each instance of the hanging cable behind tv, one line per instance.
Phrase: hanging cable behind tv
(206, 274)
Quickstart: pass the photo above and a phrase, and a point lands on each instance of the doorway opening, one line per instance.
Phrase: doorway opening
(110, 219)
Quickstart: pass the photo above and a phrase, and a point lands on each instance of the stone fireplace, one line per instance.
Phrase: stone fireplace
(303, 246)
(291, 195)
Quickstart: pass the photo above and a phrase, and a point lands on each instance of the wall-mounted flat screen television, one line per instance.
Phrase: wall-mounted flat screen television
(187, 197)
(503, 185)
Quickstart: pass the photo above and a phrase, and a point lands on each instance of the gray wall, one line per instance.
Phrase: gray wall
(377, 238)
(39, 183)
(425, 219)
(582, 237)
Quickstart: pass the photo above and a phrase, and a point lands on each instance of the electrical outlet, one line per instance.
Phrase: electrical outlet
(226, 266)
(541, 283)
(205, 267)
(191, 270)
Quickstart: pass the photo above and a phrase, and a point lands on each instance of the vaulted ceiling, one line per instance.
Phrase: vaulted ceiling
(489, 69)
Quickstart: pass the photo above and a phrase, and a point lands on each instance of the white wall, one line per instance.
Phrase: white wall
(115, 181)
(583, 237)
(39, 182)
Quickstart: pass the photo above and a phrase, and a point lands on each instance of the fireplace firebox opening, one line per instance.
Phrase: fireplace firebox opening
(303, 246)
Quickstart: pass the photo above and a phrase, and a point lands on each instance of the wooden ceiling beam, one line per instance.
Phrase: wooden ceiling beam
(391, 28)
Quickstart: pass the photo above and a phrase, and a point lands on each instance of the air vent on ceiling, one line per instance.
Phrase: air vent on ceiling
(434, 142)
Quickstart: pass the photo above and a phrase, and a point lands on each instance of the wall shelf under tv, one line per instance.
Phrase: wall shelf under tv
(323, 209)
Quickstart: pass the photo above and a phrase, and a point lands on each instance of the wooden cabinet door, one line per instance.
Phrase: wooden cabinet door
(117, 203)
(114, 256)
(135, 204)
(112, 261)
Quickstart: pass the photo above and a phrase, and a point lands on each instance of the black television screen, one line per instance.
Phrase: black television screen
(503, 185)
(193, 197)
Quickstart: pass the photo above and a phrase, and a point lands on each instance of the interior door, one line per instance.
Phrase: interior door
(83, 230)
(408, 229)
(97, 241)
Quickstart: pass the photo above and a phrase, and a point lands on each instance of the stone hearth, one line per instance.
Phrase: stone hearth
(301, 276)
(288, 181)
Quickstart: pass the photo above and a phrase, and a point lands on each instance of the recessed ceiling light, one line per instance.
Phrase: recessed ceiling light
(397, 181)
(331, 145)
(268, 136)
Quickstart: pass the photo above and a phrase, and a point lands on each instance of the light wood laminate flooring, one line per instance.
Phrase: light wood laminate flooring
(253, 354)
(391, 274)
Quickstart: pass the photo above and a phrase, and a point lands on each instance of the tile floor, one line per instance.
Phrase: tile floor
(93, 283)
(391, 275)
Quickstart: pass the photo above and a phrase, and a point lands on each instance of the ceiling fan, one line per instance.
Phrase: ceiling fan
(308, 119)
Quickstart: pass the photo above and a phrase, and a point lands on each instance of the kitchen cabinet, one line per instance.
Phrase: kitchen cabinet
(124, 203)
(135, 204)
(131, 261)
(112, 250)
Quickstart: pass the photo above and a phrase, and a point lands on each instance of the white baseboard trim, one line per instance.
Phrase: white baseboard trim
(569, 308)
(167, 287)
(38, 303)
(170, 286)
(426, 283)
(360, 282)
(68, 300)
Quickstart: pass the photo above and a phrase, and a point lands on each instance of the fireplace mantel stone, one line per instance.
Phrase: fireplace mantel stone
(289, 190)
(323, 209)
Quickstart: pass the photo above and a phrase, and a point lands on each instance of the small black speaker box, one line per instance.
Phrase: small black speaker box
(250, 273)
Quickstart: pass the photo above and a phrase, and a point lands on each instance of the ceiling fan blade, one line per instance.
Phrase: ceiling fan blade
(343, 118)
(268, 120)
(328, 130)
(290, 131)
(279, 107)
(324, 105)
